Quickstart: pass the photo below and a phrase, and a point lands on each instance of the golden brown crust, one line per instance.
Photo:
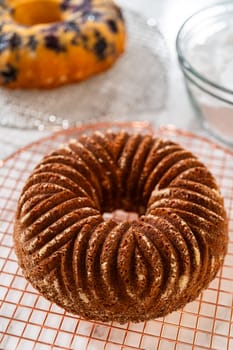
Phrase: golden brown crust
(49, 43)
(129, 271)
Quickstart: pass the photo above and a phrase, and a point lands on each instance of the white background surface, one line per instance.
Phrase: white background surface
(169, 16)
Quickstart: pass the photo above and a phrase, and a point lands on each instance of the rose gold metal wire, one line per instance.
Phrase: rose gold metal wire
(198, 145)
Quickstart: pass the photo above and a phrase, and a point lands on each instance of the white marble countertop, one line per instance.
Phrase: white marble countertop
(169, 15)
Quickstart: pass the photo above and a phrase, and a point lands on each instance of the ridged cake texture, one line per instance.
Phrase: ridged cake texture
(128, 271)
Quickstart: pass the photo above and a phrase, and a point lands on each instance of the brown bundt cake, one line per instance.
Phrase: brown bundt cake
(133, 270)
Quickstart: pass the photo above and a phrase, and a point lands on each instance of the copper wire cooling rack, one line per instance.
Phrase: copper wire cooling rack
(28, 321)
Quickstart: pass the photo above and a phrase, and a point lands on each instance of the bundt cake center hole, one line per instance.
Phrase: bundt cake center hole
(120, 215)
(37, 12)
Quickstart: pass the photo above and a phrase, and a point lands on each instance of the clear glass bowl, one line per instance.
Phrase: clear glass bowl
(205, 52)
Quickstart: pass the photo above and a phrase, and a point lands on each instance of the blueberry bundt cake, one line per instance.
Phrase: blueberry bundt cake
(128, 271)
(47, 43)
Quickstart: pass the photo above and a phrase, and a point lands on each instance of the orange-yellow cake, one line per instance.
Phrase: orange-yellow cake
(133, 270)
(47, 43)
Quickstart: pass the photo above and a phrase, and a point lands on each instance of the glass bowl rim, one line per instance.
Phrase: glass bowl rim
(186, 65)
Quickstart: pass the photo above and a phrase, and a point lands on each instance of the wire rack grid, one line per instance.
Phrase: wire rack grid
(28, 321)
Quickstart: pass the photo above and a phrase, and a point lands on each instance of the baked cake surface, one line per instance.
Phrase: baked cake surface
(129, 271)
(48, 43)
